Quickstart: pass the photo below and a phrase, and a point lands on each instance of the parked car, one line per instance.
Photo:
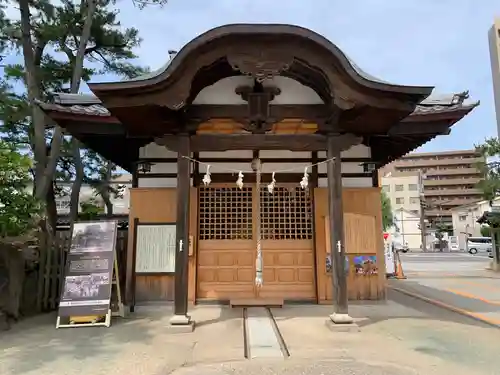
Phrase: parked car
(479, 245)
(398, 246)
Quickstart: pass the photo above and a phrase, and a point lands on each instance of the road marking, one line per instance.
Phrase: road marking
(473, 315)
(486, 286)
(472, 296)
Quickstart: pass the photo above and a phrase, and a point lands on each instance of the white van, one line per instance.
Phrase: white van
(479, 245)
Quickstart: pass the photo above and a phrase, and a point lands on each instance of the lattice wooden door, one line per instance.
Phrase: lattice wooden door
(227, 243)
(226, 247)
(287, 246)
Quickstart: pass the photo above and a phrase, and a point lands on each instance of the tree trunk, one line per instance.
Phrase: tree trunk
(77, 62)
(45, 166)
(51, 208)
(77, 183)
(105, 190)
(14, 263)
(84, 39)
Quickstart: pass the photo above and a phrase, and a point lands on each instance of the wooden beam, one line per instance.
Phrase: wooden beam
(182, 233)
(336, 213)
(306, 142)
(421, 128)
(305, 112)
(79, 128)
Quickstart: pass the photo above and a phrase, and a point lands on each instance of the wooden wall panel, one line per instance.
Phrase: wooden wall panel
(159, 205)
(363, 236)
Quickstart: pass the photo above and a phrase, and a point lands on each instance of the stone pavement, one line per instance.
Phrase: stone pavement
(459, 282)
(398, 337)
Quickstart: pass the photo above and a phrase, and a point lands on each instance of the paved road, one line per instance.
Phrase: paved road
(457, 280)
(448, 263)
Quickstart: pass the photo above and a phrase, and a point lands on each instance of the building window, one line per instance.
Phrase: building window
(400, 200)
(414, 200)
(462, 217)
(386, 188)
(399, 187)
(413, 187)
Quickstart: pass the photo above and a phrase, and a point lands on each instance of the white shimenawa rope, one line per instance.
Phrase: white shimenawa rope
(239, 182)
(211, 166)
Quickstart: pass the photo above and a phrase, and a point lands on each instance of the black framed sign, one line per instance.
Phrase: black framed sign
(89, 269)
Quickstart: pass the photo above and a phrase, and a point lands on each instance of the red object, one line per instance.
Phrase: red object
(386, 236)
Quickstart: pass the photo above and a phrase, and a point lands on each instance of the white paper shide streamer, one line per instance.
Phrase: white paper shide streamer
(305, 180)
(270, 187)
(239, 181)
(206, 179)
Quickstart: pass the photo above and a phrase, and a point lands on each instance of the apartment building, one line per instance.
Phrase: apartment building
(449, 179)
(403, 190)
(465, 219)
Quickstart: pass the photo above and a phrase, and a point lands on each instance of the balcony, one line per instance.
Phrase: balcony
(453, 181)
(451, 192)
(454, 172)
(436, 213)
(415, 164)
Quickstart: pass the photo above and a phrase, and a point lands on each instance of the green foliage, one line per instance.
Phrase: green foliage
(91, 209)
(485, 231)
(442, 229)
(18, 207)
(58, 27)
(490, 184)
(387, 215)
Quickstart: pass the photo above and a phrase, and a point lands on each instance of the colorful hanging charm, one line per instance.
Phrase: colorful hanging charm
(239, 181)
(305, 180)
(271, 186)
(206, 179)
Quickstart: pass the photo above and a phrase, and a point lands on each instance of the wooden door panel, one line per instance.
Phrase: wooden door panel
(288, 270)
(225, 269)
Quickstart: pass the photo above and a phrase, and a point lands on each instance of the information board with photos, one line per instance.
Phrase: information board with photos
(89, 269)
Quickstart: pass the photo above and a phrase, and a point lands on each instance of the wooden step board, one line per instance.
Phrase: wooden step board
(257, 302)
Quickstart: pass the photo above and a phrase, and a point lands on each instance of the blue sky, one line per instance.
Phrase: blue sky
(442, 43)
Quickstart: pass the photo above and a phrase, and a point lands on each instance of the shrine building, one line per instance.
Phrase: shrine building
(240, 102)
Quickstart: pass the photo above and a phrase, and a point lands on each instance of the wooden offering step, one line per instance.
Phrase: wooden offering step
(257, 302)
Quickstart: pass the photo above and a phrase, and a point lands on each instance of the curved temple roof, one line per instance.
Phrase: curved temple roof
(207, 36)
(266, 30)
(400, 118)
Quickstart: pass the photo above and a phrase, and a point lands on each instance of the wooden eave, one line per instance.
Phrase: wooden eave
(108, 136)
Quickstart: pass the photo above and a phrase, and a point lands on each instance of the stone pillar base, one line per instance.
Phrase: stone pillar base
(341, 323)
(181, 324)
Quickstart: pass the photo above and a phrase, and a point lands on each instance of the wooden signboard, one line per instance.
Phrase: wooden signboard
(91, 275)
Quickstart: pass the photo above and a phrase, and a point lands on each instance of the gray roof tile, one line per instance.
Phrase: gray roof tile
(89, 104)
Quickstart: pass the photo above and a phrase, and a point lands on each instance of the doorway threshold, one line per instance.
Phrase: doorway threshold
(257, 302)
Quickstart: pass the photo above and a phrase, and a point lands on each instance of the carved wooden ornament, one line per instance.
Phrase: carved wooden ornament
(260, 64)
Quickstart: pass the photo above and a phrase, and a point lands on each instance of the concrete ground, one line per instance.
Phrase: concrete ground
(458, 281)
(401, 336)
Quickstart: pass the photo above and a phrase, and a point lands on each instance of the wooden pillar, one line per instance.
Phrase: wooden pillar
(182, 234)
(337, 245)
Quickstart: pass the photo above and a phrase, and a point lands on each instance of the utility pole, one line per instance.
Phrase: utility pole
(422, 211)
